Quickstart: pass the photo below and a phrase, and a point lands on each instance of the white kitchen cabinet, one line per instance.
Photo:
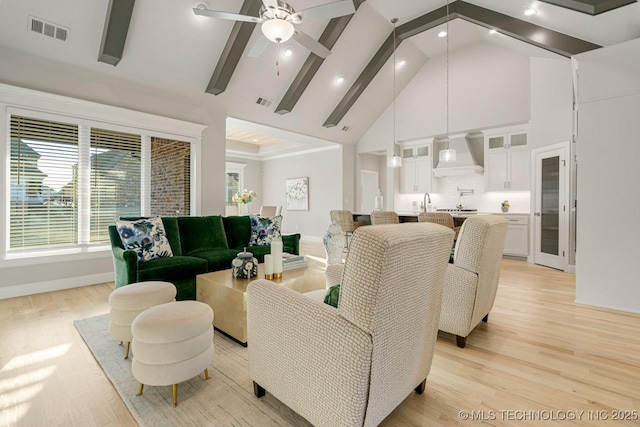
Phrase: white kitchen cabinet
(516, 242)
(507, 162)
(417, 169)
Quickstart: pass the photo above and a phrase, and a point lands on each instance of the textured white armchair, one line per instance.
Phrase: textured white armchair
(353, 365)
(472, 280)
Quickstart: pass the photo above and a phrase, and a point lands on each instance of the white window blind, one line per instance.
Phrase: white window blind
(114, 179)
(43, 199)
(170, 177)
(71, 177)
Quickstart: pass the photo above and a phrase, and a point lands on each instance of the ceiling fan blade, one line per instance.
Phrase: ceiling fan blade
(225, 15)
(258, 47)
(311, 44)
(324, 11)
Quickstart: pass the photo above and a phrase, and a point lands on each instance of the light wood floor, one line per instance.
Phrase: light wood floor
(539, 352)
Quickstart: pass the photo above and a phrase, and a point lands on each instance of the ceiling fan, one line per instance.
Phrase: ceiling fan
(279, 19)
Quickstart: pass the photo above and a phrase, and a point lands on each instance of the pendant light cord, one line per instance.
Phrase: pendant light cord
(447, 75)
(393, 21)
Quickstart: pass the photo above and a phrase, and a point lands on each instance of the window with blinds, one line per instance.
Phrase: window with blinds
(69, 182)
(170, 177)
(43, 198)
(114, 179)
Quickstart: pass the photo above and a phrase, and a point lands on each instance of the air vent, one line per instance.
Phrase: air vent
(346, 128)
(52, 30)
(265, 102)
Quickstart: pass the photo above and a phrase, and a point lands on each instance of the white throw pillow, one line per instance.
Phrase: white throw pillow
(146, 237)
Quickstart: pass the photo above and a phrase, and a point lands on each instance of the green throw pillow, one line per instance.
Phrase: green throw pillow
(332, 296)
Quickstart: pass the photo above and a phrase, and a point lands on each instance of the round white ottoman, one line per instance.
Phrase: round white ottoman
(128, 301)
(172, 342)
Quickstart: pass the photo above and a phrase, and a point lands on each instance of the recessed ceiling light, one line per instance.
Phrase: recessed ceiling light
(442, 34)
(530, 11)
(287, 51)
(493, 31)
(401, 63)
(339, 79)
(201, 6)
(255, 140)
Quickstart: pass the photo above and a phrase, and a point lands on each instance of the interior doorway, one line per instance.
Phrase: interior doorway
(369, 189)
(551, 206)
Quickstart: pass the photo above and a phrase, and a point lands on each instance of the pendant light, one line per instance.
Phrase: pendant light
(395, 161)
(448, 154)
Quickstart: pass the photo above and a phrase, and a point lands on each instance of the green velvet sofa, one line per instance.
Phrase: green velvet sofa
(200, 244)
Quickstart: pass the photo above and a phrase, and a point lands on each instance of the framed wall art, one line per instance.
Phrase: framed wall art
(297, 194)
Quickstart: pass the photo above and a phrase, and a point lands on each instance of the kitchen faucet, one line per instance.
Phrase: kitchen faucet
(424, 201)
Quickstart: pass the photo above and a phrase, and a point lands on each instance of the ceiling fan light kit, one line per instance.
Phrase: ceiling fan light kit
(279, 19)
(277, 30)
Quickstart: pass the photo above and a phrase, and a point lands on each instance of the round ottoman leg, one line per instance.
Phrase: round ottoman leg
(126, 351)
(206, 374)
(175, 395)
(140, 390)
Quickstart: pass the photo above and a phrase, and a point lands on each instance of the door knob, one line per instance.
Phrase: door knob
(537, 214)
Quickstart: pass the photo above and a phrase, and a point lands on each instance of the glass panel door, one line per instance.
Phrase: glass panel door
(550, 205)
(549, 215)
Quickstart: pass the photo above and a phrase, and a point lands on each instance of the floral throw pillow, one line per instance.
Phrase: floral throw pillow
(146, 237)
(264, 229)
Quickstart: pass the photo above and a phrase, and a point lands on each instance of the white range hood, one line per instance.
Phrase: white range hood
(469, 156)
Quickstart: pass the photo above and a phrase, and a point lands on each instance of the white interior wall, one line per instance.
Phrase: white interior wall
(608, 177)
(324, 169)
(487, 88)
(551, 101)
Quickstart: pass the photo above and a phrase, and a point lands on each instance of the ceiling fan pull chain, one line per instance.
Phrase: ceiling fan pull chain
(278, 59)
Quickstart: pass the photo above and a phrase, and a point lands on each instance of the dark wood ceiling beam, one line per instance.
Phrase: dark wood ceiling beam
(404, 31)
(329, 37)
(544, 38)
(591, 7)
(114, 34)
(233, 49)
(527, 32)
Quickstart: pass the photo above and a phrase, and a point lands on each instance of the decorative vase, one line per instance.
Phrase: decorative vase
(505, 209)
(243, 208)
(244, 266)
(334, 241)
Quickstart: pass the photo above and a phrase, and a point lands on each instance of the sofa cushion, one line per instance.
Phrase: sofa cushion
(201, 233)
(238, 231)
(171, 269)
(147, 237)
(259, 251)
(264, 229)
(217, 259)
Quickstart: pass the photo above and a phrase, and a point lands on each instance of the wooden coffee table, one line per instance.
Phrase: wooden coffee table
(228, 296)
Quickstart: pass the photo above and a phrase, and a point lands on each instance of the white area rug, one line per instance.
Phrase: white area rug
(226, 399)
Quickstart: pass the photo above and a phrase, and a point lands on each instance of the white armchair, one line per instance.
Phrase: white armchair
(471, 281)
(270, 211)
(353, 365)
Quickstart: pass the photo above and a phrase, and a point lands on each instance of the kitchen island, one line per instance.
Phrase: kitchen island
(458, 218)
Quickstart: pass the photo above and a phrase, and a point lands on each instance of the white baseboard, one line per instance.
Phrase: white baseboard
(54, 285)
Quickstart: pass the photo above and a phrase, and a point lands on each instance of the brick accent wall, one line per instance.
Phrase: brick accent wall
(170, 177)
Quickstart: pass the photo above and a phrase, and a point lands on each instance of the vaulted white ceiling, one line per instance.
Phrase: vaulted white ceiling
(171, 49)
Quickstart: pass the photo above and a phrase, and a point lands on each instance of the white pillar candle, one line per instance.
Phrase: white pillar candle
(268, 265)
(276, 253)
